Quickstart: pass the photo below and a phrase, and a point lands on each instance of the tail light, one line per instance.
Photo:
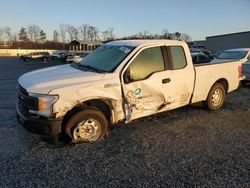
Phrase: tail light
(240, 71)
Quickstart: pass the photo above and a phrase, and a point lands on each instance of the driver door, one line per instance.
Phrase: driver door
(143, 80)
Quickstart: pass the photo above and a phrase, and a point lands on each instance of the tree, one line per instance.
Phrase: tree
(42, 36)
(71, 31)
(7, 31)
(83, 30)
(34, 32)
(177, 35)
(105, 35)
(1, 33)
(23, 36)
(91, 33)
(165, 34)
(75, 33)
(37, 31)
(108, 34)
(63, 32)
(171, 36)
(96, 34)
(145, 34)
(56, 36)
(14, 37)
(30, 32)
(185, 37)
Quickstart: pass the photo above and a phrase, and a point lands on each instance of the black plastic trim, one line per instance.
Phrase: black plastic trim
(40, 125)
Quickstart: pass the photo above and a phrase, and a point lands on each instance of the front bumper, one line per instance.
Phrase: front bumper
(40, 125)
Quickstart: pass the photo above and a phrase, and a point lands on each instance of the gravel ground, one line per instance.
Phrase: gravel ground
(187, 147)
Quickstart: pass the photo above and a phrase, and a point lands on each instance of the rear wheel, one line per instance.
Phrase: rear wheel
(216, 97)
(86, 126)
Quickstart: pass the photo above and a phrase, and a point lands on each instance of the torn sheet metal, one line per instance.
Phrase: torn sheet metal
(143, 99)
(143, 106)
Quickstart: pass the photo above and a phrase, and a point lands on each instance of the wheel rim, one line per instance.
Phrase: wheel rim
(87, 130)
(217, 97)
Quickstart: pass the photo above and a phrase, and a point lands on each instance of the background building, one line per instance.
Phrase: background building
(228, 41)
(197, 44)
(81, 45)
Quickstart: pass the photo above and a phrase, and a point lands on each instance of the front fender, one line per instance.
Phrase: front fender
(72, 97)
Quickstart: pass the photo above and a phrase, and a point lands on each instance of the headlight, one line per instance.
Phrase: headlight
(45, 104)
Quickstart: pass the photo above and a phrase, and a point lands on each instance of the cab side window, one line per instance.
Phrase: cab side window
(145, 64)
(178, 57)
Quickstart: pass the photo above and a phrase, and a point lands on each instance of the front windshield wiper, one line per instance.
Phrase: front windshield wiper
(89, 67)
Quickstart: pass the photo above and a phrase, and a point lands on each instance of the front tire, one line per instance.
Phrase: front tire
(216, 97)
(87, 125)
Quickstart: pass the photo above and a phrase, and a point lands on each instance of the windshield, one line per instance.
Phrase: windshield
(107, 57)
(232, 55)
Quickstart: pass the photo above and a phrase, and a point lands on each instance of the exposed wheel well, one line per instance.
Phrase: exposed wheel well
(101, 105)
(98, 104)
(224, 82)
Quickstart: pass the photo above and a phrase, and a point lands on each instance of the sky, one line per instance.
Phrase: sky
(197, 18)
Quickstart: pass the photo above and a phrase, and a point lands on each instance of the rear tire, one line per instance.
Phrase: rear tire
(216, 97)
(87, 125)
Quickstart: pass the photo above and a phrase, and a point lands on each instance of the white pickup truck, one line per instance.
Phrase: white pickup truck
(119, 82)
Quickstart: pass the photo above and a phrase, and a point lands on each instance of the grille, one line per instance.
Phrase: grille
(26, 102)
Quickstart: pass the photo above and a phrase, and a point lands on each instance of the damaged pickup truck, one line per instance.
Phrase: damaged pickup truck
(119, 82)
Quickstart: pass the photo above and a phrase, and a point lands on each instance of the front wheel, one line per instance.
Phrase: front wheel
(216, 97)
(86, 126)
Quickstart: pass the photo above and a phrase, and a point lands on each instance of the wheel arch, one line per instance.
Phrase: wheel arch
(103, 105)
(207, 103)
(224, 82)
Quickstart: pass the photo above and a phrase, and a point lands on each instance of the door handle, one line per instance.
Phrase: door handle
(166, 80)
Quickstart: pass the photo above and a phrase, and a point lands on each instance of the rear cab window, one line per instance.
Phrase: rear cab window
(177, 57)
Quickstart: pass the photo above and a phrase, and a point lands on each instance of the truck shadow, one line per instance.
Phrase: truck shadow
(246, 85)
(168, 118)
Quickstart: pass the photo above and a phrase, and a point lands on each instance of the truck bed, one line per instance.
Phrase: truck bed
(208, 73)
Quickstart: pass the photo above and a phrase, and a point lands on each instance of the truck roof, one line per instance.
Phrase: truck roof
(136, 43)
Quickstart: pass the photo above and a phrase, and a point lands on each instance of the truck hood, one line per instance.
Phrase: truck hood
(44, 80)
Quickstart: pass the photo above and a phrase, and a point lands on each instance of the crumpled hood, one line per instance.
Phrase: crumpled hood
(44, 80)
